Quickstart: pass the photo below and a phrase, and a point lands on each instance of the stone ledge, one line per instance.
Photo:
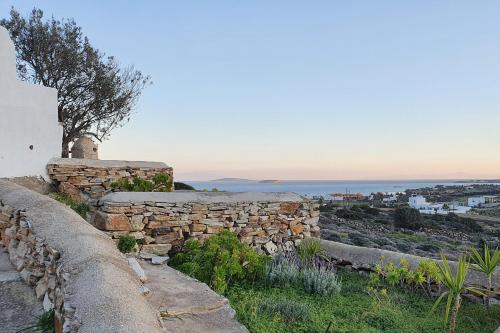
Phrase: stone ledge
(366, 258)
(80, 162)
(201, 197)
(99, 289)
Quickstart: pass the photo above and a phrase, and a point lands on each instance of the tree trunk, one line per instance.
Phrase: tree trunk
(65, 150)
(454, 314)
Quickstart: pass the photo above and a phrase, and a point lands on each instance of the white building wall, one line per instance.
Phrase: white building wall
(476, 201)
(28, 117)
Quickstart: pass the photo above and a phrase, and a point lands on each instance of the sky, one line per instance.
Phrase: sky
(269, 89)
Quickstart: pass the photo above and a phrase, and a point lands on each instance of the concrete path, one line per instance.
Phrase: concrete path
(187, 305)
(19, 307)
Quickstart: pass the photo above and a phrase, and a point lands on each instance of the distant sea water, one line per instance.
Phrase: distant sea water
(323, 188)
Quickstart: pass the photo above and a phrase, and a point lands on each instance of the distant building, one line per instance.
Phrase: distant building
(347, 196)
(476, 201)
(419, 203)
(482, 200)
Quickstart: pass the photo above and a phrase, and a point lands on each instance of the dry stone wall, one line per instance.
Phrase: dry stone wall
(74, 268)
(93, 178)
(38, 265)
(160, 221)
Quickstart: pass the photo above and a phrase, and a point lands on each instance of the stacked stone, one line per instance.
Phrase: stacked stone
(93, 179)
(159, 226)
(38, 265)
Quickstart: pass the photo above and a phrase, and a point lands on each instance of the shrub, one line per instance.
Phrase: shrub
(320, 280)
(409, 218)
(283, 271)
(309, 249)
(183, 187)
(78, 206)
(348, 214)
(221, 260)
(126, 243)
(159, 183)
(289, 311)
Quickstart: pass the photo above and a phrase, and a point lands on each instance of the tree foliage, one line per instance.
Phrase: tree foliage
(95, 94)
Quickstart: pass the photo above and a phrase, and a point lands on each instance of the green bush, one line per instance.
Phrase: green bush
(183, 186)
(78, 206)
(320, 280)
(289, 311)
(221, 260)
(159, 183)
(126, 243)
(408, 218)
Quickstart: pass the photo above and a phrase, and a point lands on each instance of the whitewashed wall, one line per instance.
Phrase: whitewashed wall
(28, 117)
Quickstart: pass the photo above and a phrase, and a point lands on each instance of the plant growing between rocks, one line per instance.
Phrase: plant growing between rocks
(126, 244)
(44, 323)
(80, 207)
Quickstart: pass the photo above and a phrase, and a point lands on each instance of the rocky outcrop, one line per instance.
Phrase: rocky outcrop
(159, 221)
(74, 268)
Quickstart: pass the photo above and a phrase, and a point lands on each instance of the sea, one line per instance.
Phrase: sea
(310, 188)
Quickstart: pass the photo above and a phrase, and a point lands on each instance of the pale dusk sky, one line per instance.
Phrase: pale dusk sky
(304, 89)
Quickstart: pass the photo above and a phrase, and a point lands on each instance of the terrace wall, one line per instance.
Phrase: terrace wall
(93, 178)
(160, 221)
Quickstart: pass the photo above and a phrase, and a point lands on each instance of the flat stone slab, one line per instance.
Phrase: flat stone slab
(201, 197)
(19, 307)
(187, 305)
(76, 162)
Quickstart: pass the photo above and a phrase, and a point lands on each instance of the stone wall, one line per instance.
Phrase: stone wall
(93, 178)
(365, 259)
(73, 267)
(160, 221)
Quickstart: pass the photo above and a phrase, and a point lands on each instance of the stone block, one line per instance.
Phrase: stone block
(112, 222)
(289, 208)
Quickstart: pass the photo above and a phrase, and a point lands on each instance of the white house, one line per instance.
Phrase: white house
(30, 133)
(418, 202)
(476, 201)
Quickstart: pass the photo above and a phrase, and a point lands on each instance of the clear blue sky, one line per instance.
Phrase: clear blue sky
(304, 89)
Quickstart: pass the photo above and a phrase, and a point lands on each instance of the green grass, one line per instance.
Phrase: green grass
(354, 310)
(79, 207)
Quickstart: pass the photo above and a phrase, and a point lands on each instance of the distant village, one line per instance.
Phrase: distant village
(442, 200)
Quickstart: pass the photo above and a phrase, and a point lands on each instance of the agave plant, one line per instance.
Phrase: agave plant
(487, 264)
(455, 283)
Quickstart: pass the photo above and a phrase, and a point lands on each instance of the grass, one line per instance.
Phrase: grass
(354, 310)
(79, 207)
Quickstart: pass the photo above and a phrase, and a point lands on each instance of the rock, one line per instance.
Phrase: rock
(137, 269)
(47, 304)
(157, 249)
(159, 260)
(289, 208)
(270, 248)
(112, 222)
(70, 190)
(137, 222)
(41, 288)
(297, 229)
(146, 256)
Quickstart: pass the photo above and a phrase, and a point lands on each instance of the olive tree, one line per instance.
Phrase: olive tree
(95, 93)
